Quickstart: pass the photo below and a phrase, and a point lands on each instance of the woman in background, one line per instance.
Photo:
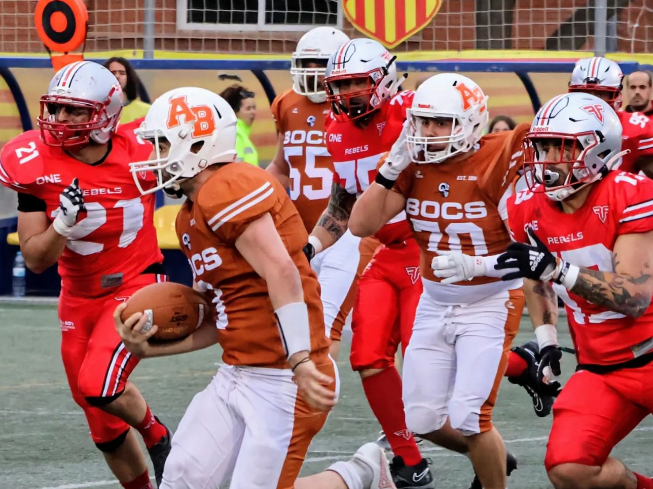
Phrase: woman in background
(242, 101)
(501, 123)
(133, 108)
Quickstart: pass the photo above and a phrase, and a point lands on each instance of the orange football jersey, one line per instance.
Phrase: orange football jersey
(235, 196)
(301, 122)
(456, 206)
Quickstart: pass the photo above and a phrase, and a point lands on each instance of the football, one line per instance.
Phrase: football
(176, 309)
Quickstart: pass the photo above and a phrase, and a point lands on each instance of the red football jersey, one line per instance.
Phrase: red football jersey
(637, 137)
(115, 239)
(356, 153)
(619, 204)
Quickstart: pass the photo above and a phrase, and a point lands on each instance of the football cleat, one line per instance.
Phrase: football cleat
(411, 476)
(511, 465)
(383, 442)
(159, 453)
(372, 456)
(542, 395)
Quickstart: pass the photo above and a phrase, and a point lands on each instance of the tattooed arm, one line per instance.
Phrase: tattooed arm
(335, 218)
(542, 302)
(629, 288)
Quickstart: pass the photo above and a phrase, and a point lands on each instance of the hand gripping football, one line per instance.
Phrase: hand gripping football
(176, 309)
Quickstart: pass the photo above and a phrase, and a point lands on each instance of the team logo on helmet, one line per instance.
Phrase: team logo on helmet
(596, 110)
(200, 115)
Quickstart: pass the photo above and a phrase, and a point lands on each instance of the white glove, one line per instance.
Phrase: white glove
(71, 203)
(399, 157)
(454, 266)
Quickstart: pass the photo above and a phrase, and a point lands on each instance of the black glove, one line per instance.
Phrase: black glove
(309, 251)
(533, 261)
(550, 357)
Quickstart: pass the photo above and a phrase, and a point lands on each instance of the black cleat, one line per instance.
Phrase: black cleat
(542, 395)
(511, 465)
(411, 476)
(159, 453)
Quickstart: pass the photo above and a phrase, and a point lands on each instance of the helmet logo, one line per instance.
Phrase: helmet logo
(470, 97)
(596, 110)
(200, 115)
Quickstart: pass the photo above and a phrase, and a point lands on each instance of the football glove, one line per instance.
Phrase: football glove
(533, 261)
(396, 162)
(549, 357)
(309, 251)
(71, 203)
(454, 266)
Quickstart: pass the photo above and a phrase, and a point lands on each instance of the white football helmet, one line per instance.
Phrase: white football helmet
(201, 129)
(369, 63)
(447, 96)
(599, 76)
(316, 46)
(85, 85)
(580, 123)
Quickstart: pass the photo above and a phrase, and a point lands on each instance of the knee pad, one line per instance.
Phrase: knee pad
(100, 402)
(113, 445)
(423, 419)
(467, 418)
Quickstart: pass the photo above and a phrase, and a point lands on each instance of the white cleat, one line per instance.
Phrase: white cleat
(373, 457)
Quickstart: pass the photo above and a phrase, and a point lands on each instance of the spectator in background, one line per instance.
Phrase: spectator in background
(638, 88)
(501, 123)
(242, 101)
(133, 108)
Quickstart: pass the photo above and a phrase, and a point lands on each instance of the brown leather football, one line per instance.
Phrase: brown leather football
(176, 309)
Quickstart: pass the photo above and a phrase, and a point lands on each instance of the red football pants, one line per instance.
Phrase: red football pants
(595, 412)
(384, 310)
(96, 362)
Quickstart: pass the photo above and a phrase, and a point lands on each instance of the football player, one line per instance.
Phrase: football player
(367, 116)
(603, 78)
(304, 166)
(243, 238)
(455, 195)
(78, 207)
(585, 234)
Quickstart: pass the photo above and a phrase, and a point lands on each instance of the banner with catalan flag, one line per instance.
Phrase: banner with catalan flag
(390, 21)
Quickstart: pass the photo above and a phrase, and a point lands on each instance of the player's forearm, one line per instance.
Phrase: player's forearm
(335, 219)
(542, 302)
(367, 216)
(284, 284)
(628, 295)
(43, 250)
(276, 169)
(203, 337)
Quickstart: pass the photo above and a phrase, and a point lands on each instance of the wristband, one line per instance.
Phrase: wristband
(568, 275)
(317, 244)
(546, 335)
(292, 320)
(61, 227)
(383, 181)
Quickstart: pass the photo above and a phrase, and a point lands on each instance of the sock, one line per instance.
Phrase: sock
(643, 482)
(351, 474)
(383, 392)
(516, 365)
(141, 482)
(150, 429)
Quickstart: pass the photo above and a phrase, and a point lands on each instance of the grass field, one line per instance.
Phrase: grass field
(44, 441)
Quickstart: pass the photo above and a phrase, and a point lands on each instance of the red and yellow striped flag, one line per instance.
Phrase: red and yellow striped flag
(390, 21)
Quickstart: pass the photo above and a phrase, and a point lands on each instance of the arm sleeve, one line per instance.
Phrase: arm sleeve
(232, 202)
(30, 203)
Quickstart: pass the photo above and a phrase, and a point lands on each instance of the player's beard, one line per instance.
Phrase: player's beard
(638, 104)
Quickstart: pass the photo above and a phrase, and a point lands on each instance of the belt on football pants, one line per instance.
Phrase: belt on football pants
(606, 369)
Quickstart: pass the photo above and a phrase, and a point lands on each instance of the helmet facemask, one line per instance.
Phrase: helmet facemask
(70, 135)
(435, 149)
(309, 80)
(363, 101)
(568, 173)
